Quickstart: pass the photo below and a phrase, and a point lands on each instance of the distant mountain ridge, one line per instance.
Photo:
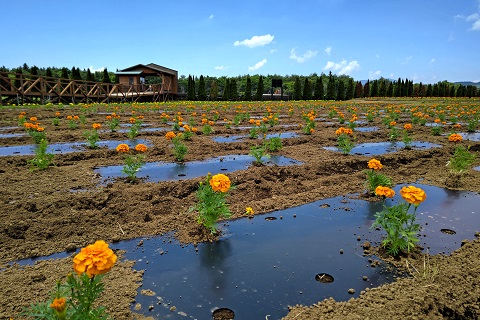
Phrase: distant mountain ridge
(468, 83)
(463, 83)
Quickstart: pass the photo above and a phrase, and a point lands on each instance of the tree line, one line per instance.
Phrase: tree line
(253, 87)
(316, 87)
(64, 73)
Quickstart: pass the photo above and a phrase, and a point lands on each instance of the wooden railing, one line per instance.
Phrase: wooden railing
(23, 88)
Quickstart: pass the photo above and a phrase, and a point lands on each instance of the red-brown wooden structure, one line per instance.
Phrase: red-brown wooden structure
(23, 88)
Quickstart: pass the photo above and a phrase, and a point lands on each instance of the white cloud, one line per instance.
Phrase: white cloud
(374, 74)
(328, 50)
(210, 17)
(257, 65)
(93, 70)
(391, 75)
(343, 67)
(377, 56)
(473, 18)
(255, 41)
(219, 67)
(307, 55)
(433, 60)
(273, 50)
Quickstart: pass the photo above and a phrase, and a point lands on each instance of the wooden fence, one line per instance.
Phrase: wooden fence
(24, 88)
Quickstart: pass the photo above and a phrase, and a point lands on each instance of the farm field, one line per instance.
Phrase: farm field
(73, 203)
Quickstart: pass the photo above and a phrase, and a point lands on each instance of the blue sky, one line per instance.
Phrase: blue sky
(426, 40)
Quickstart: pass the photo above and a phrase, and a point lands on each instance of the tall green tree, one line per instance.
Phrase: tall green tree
(350, 89)
(307, 90)
(233, 90)
(89, 76)
(297, 90)
(191, 89)
(331, 87)
(202, 93)
(226, 90)
(382, 88)
(341, 91)
(48, 72)
(398, 88)
(366, 89)
(64, 73)
(214, 91)
(318, 92)
(374, 89)
(106, 76)
(259, 93)
(248, 89)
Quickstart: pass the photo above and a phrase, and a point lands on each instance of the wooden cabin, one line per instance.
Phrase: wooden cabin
(136, 76)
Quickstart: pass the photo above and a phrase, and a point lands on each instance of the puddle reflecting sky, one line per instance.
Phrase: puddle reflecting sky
(261, 266)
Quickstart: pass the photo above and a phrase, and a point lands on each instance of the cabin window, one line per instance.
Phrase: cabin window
(130, 81)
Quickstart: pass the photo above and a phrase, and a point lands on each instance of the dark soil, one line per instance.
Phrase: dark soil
(65, 207)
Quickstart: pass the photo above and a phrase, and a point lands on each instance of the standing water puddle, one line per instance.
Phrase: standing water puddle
(67, 147)
(161, 171)
(376, 148)
(262, 265)
(299, 255)
(241, 137)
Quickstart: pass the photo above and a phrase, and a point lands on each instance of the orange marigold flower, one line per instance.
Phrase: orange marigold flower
(393, 123)
(457, 126)
(23, 113)
(94, 259)
(108, 117)
(132, 120)
(40, 129)
(194, 129)
(413, 195)
(141, 147)
(96, 126)
(375, 164)
(257, 123)
(204, 121)
(57, 114)
(76, 117)
(33, 119)
(455, 137)
(59, 304)
(437, 120)
(252, 121)
(21, 116)
(123, 147)
(312, 130)
(211, 123)
(220, 182)
(384, 191)
(407, 126)
(170, 135)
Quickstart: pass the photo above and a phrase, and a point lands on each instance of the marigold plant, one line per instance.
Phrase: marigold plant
(220, 183)
(455, 137)
(384, 192)
(375, 164)
(170, 135)
(398, 223)
(413, 195)
(123, 148)
(141, 147)
(94, 259)
(211, 204)
(374, 177)
(76, 298)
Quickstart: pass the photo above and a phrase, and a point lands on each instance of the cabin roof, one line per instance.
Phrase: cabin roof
(155, 68)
